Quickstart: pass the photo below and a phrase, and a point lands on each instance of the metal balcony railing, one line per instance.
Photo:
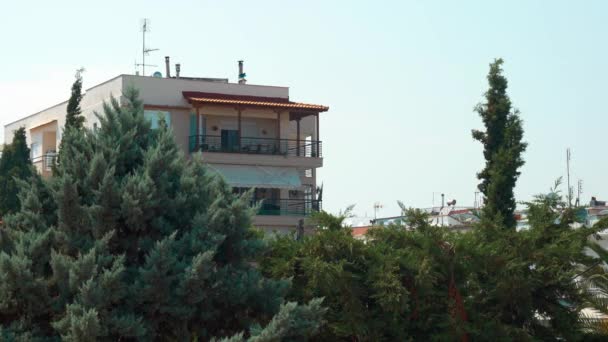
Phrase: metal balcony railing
(47, 160)
(288, 207)
(249, 145)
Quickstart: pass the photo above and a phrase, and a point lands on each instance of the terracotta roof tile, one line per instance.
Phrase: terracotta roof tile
(358, 231)
(255, 101)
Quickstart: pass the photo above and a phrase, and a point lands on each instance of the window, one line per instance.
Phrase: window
(308, 151)
(36, 150)
(155, 116)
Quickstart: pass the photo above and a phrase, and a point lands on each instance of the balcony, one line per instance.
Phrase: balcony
(45, 162)
(250, 145)
(288, 207)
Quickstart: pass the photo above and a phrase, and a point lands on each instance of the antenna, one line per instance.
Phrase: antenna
(145, 28)
(377, 206)
(570, 192)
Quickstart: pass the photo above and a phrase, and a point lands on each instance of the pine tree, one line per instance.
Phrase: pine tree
(74, 118)
(503, 148)
(15, 165)
(131, 240)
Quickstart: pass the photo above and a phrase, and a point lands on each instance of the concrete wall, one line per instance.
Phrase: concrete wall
(94, 98)
(153, 91)
(92, 101)
(168, 91)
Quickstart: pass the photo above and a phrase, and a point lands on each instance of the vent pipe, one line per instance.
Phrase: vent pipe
(177, 69)
(167, 67)
(242, 74)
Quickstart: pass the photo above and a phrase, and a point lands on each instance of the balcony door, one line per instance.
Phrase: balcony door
(197, 141)
(230, 139)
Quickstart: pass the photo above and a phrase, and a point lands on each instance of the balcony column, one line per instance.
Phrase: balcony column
(318, 137)
(278, 131)
(298, 137)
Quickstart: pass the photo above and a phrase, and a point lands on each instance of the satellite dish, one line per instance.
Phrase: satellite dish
(157, 74)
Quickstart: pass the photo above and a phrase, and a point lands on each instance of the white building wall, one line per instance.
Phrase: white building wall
(91, 101)
(168, 91)
(153, 91)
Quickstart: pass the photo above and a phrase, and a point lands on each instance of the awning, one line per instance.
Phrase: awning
(259, 176)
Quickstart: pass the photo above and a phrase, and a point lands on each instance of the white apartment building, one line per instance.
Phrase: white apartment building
(253, 135)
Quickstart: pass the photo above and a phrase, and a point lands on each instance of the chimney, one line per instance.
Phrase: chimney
(177, 69)
(167, 67)
(242, 74)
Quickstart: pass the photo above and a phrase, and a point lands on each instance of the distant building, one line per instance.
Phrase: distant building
(360, 233)
(456, 218)
(358, 221)
(459, 219)
(253, 135)
(596, 211)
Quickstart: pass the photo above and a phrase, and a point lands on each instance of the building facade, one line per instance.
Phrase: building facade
(252, 135)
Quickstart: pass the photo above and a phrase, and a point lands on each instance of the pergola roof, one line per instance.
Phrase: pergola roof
(195, 97)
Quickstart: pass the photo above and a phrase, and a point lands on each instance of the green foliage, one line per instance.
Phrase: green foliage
(521, 285)
(293, 323)
(329, 264)
(503, 147)
(74, 119)
(421, 282)
(324, 220)
(392, 288)
(130, 240)
(15, 165)
(594, 281)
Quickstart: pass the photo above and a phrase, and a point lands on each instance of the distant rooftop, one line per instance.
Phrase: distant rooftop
(205, 79)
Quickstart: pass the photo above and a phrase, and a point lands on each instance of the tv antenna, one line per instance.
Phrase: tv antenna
(377, 206)
(145, 28)
(570, 190)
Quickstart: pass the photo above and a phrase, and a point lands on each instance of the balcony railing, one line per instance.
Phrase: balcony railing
(47, 160)
(288, 207)
(249, 145)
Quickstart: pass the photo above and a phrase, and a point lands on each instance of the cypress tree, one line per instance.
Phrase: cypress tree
(15, 165)
(503, 148)
(134, 241)
(74, 118)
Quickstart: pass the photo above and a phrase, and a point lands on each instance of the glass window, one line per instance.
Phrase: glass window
(36, 149)
(154, 116)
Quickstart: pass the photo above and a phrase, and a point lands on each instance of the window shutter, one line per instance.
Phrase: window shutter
(193, 136)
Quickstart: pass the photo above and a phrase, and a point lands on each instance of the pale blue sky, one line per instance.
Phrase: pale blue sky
(401, 78)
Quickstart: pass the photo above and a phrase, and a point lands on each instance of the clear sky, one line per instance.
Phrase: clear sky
(401, 78)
